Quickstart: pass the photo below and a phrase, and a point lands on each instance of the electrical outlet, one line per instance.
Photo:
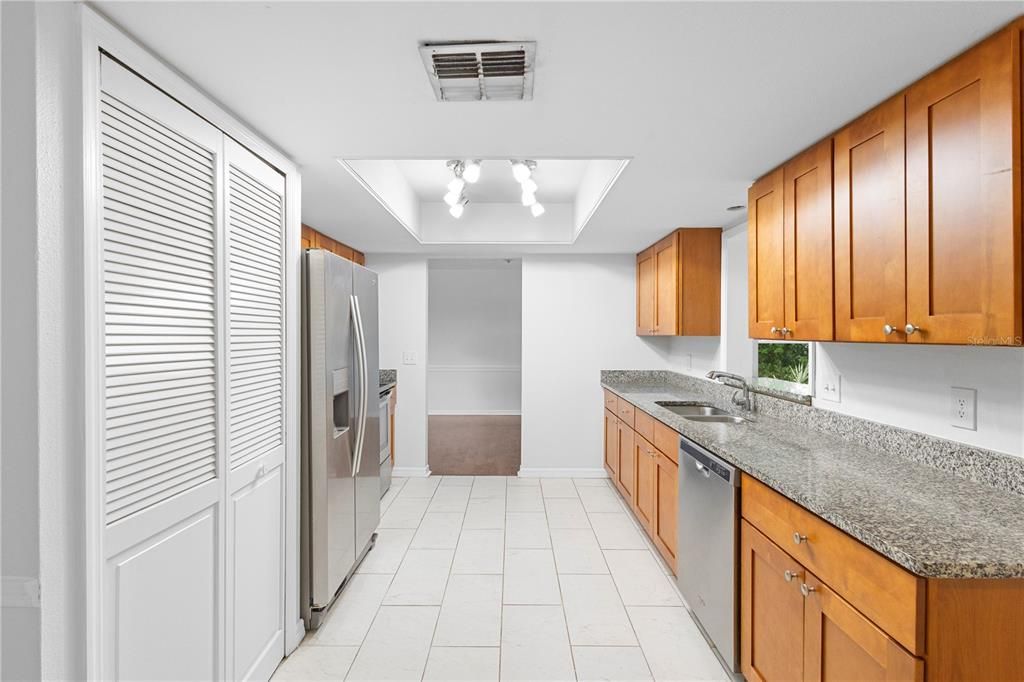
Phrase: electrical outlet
(963, 408)
(409, 357)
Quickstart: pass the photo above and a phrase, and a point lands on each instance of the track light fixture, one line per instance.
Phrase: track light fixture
(471, 171)
(522, 171)
(455, 198)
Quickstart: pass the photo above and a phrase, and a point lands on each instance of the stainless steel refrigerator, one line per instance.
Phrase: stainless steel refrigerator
(341, 437)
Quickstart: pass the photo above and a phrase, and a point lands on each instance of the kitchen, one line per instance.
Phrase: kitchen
(791, 275)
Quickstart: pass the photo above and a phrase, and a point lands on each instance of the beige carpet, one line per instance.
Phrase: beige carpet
(473, 445)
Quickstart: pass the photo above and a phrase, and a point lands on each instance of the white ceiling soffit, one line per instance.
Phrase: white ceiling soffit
(494, 70)
(411, 190)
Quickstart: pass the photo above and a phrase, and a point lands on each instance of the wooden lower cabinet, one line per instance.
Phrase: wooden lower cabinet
(611, 444)
(794, 627)
(841, 644)
(625, 478)
(771, 611)
(642, 472)
(645, 496)
(666, 499)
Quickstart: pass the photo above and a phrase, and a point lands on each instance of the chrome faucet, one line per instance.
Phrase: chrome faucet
(737, 382)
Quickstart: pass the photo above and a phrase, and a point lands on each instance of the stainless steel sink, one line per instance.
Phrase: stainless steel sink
(702, 413)
(718, 418)
(692, 410)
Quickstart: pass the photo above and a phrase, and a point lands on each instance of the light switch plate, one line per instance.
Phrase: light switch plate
(831, 386)
(409, 357)
(963, 408)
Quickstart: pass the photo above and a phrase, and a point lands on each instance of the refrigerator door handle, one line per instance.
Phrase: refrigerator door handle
(363, 389)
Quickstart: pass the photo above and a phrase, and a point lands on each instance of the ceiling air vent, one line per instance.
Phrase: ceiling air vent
(483, 70)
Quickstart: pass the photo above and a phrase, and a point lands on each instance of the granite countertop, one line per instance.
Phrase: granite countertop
(388, 379)
(932, 523)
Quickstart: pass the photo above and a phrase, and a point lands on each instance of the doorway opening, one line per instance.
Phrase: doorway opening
(474, 377)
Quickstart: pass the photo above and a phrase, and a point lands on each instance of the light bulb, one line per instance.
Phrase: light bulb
(456, 185)
(529, 199)
(472, 171)
(452, 198)
(529, 186)
(457, 210)
(520, 171)
(537, 210)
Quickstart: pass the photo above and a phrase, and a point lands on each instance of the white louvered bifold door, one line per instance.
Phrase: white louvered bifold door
(256, 414)
(163, 481)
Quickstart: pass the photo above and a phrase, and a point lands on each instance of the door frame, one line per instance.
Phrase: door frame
(98, 34)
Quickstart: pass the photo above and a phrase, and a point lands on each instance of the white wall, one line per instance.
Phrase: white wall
(403, 328)
(475, 335)
(43, 492)
(909, 386)
(579, 317)
(906, 386)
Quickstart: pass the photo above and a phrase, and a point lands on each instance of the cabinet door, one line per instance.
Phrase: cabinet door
(771, 610)
(666, 299)
(645, 494)
(667, 507)
(963, 212)
(611, 444)
(645, 283)
(627, 461)
(308, 237)
(870, 227)
(841, 644)
(766, 257)
(807, 214)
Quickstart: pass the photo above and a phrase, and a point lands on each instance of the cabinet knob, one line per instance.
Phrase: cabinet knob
(806, 589)
(790, 575)
(911, 328)
(798, 539)
(774, 330)
(785, 331)
(888, 329)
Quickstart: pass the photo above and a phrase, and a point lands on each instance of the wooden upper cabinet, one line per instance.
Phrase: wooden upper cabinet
(645, 292)
(840, 644)
(807, 217)
(667, 289)
(308, 237)
(766, 257)
(678, 284)
(311, 239)
(870, 227)
(964, 197)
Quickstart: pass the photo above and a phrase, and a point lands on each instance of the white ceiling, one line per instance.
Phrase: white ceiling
(704, 96)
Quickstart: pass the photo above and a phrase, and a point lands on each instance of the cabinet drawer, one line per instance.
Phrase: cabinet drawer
(643, 424)
(890, 596)
(611, 401)
(626, 412)
(667, 441)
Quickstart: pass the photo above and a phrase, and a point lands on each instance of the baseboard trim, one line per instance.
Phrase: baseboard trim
(544, 472)
(475, 413)
(411, 472)
(294, 638)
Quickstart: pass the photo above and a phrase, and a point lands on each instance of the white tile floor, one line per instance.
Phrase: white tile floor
(493, 578)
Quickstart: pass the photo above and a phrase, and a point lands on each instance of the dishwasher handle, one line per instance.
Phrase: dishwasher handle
(707, 463)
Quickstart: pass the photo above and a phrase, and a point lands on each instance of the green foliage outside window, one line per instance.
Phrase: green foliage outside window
(785, 361)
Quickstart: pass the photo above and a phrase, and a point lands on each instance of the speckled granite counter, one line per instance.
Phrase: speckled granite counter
(388, 379)
(932, 522)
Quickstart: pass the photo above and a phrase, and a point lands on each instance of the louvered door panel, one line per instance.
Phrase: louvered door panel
(159, 277)
(256, 309)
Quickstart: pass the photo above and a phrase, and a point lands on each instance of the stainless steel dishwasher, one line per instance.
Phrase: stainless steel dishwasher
(707, 555)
